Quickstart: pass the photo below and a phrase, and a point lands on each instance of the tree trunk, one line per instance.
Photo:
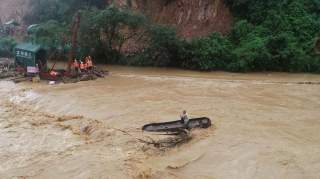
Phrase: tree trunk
(74, 42)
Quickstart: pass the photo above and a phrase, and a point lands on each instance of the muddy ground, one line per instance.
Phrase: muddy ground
(265, 126)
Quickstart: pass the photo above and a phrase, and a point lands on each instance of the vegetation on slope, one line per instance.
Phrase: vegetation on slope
(7, 45)
(275, 35)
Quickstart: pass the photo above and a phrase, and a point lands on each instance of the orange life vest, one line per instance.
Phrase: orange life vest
(81, 66)
(75, 64)
(53, 73)
(90, 63)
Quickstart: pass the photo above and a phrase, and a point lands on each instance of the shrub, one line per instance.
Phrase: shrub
(7, 45)
(164, 46)
(58, 10)
(52, 35)
(251, 55)
(106, 31)
(210, 53)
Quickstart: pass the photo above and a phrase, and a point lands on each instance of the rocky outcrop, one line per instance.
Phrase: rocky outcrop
(192, 18)
(13, 9)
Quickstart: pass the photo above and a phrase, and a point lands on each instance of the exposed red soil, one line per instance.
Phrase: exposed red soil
(192, 18)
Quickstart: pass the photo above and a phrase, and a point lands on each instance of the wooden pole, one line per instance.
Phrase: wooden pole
(74, 42)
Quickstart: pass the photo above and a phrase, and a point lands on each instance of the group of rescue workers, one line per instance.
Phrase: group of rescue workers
(83, 66)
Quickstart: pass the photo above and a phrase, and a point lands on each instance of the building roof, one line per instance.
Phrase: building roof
(32, 27)
(12, 22)
(29, 47)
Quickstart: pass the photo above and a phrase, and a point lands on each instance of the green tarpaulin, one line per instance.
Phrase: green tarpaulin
(26, 54)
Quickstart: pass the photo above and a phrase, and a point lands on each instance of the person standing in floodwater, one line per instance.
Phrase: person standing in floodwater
(184, 117)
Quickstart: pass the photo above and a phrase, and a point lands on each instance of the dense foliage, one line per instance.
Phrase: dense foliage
(6, 46)
(58, 10)
(104, 32)
(274, 35)
(52, 35)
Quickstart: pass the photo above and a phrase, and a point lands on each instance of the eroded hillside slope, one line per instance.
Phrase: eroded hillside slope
(13, 9)
(192, 18)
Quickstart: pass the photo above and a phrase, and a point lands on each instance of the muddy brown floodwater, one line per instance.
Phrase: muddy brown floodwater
(266, 126)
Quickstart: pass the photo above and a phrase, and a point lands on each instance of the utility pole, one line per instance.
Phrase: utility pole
(74, 39)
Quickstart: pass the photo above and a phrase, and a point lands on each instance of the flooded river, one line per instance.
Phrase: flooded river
(265, 126)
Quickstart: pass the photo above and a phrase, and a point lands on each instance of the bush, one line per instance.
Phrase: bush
(164, 46)
(251, 55)
(58, 10)
(209, 53)
(7, 45)
(274, 35)
(104, 32)
(314, 65)
(52, 35)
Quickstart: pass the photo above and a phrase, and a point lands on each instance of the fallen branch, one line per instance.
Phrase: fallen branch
(170, 142)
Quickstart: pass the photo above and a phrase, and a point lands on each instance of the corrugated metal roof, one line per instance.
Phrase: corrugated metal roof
(28, 47)
(32, 27)
(12, 22)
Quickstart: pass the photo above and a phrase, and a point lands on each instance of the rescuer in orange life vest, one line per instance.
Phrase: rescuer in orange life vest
(90, 64)
(86, 63)
(53, 73)
(76, 65)
(82, 66)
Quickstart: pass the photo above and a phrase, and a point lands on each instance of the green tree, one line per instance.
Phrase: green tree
(106, 31)
(209, 53)
(163, 46)
(283, 32)
(7, 45)
(54, 37)
(59, 10)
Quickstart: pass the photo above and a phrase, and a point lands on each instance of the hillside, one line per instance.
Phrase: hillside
(192, 18)
(262, 35)
(13, 9)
